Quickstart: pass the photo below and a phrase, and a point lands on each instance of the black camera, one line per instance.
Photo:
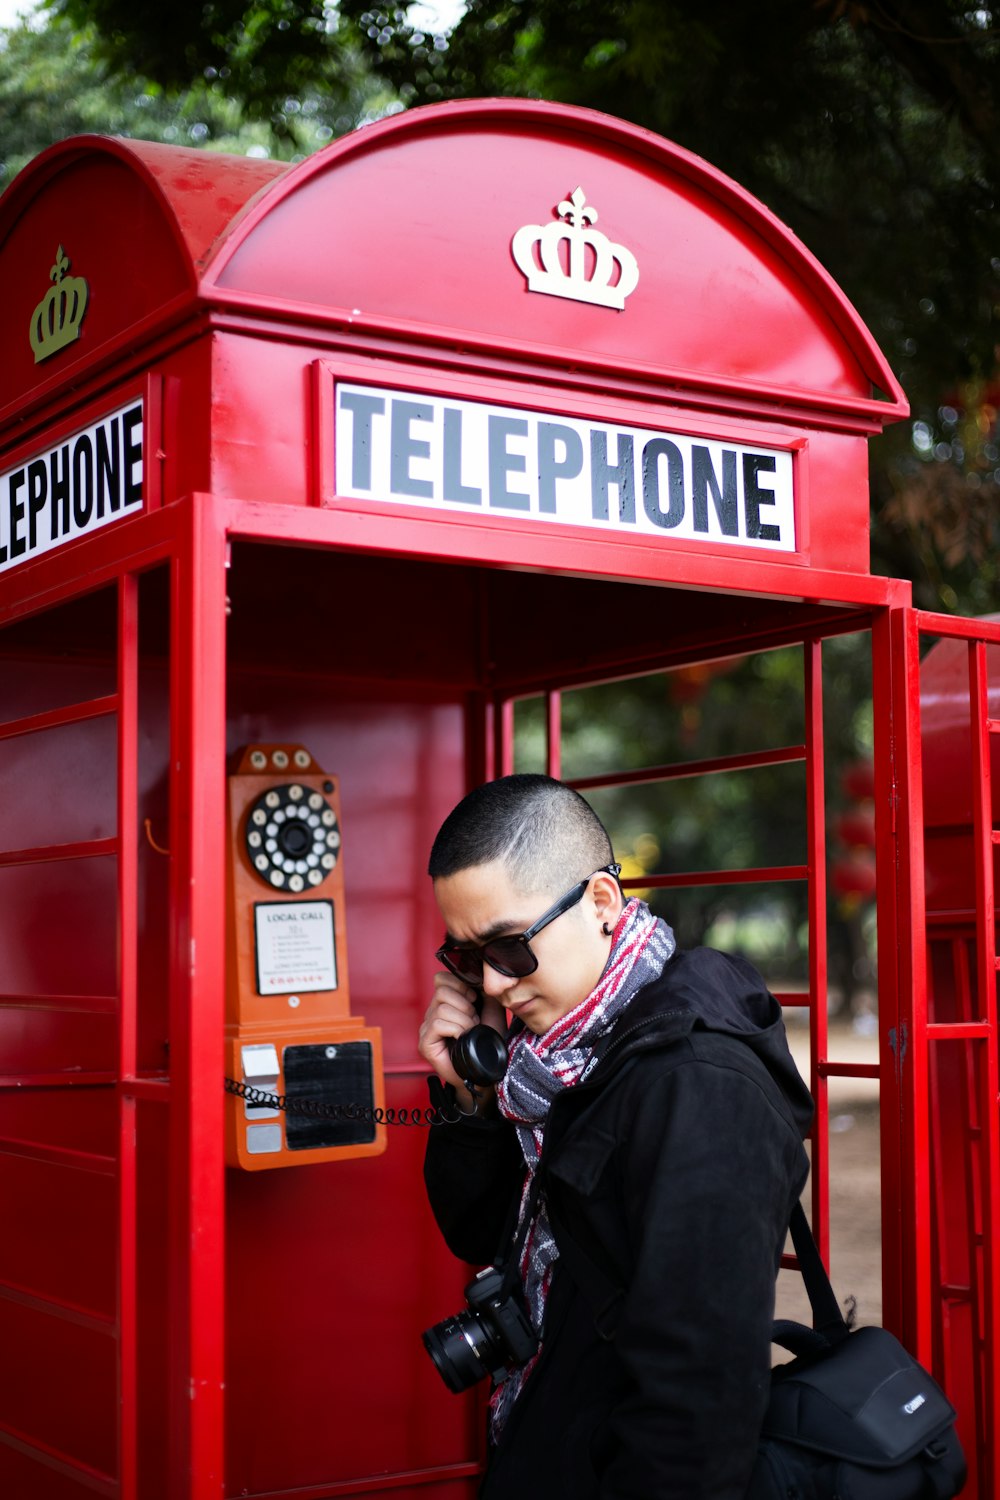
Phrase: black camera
(493, 1336)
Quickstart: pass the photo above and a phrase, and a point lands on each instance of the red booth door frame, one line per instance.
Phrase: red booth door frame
(193, 539)
(919, 1298)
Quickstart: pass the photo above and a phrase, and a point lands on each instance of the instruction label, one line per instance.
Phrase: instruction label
(295, 947)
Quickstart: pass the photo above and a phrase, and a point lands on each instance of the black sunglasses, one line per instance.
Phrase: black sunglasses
(511, 956)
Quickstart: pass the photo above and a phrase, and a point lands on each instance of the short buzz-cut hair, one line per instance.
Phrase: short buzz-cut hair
(543, 832)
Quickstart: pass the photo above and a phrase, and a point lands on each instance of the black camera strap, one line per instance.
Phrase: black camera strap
(508, 1257)
(828, 1320)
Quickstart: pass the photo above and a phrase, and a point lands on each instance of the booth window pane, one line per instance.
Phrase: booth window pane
(60, 657)
(705, 709)
(59, 785)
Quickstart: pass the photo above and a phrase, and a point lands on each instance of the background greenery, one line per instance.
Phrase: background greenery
(872, 129)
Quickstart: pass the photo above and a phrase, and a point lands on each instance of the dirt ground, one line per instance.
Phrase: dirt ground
(855, 1229)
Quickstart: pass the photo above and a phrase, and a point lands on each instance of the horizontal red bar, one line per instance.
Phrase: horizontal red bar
(789, 1262)
(952, 625)
(68, 1312)
(957, 916)
(45, 853)
(679, 770)
(59, 1156)
(848, 1070)
(73, 713)
(155, 1089)
(959, 1031)
(446, 1474)
(70, 1468)
(94, 1005)
(793, 998)
(719, 877)
(56, 1080)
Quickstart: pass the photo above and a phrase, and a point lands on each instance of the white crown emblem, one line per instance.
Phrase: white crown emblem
(585, 273)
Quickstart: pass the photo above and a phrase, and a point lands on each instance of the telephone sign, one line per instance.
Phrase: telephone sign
(92, 478)
(417, 449)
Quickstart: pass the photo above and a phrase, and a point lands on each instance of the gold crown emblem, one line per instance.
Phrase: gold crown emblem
(586, 272)
(56, 320)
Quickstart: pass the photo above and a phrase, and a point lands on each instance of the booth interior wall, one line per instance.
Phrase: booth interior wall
(333, 1270)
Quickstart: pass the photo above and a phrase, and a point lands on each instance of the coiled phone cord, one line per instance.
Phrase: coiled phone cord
(318, 1109)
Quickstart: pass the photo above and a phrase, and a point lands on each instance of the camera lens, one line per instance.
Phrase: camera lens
(462, 1350)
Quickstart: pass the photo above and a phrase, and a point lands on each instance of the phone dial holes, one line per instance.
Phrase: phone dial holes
(291, 837)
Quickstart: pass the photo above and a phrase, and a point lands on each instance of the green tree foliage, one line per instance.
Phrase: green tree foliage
(57, 81)
(266, 52)
(870, 128)
(873, 130)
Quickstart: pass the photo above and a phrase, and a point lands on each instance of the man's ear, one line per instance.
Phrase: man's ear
(607, 897)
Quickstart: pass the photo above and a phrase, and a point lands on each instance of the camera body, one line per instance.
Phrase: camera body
(489, 1337)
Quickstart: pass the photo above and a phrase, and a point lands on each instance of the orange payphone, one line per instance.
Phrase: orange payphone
(306, 1075)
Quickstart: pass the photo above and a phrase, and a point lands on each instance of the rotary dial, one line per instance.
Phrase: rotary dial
(292, 837)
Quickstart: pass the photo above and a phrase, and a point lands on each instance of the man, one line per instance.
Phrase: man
(640, 1158)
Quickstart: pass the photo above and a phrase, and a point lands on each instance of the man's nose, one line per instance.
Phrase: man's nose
(496, 984)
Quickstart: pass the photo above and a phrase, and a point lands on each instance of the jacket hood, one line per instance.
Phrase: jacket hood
(703, 989)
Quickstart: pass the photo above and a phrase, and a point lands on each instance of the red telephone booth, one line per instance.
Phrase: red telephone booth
(309, 477)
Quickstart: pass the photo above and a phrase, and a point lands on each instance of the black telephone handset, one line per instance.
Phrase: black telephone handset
(479, 1055)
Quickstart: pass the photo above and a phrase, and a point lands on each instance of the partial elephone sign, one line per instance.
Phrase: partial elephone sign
(476, 458)
(88, 480)
(295, 946)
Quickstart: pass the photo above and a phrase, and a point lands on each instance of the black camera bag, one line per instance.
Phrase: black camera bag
(853, 1416)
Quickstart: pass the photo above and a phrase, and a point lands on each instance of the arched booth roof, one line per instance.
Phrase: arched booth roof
(138, 220)
(405, 228)
(410, 222)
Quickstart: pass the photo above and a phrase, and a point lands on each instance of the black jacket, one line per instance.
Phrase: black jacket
(673, 1167)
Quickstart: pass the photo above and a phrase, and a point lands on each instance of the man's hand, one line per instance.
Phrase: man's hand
(451, 1012)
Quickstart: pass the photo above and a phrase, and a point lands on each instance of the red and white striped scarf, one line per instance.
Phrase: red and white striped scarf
(538, 1069)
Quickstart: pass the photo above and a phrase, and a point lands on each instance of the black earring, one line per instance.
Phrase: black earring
(606, 930)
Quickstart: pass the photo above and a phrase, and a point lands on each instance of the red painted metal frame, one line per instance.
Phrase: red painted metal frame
(193, 536)
(128, 1007)
(503, 545)
(192, 540)
(818, 1033)
(197, 990)
(926, 1302)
